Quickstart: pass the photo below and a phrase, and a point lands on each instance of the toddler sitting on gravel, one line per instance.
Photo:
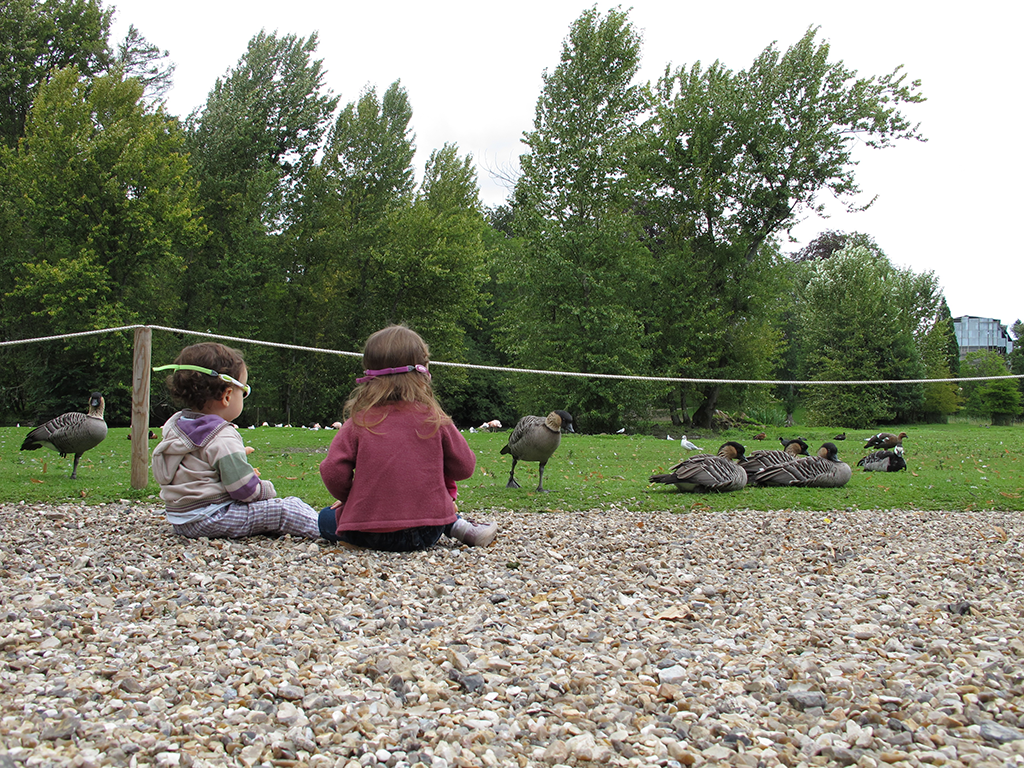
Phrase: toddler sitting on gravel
(394, 463)
(205, 479)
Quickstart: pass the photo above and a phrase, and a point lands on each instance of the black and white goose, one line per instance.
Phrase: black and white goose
(884, 461)
(705, 472)
(71, 432)
(536, 438)
(822, 471)
(885, 441)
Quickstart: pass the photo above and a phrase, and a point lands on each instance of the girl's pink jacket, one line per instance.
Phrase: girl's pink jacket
(392, 475)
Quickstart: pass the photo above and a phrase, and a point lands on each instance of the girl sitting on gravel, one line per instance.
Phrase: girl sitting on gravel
(394, 462)
(205, 478)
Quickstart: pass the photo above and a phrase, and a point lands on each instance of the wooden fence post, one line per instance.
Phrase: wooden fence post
(140, 406)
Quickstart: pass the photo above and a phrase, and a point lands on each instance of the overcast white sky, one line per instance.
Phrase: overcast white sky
(473, 74)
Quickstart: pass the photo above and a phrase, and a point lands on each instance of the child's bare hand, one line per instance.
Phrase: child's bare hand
(337, 505)
(249, 449)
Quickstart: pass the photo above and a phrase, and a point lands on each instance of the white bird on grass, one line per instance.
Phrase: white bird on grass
(688, 445)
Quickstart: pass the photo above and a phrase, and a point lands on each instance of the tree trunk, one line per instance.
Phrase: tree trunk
(674, 410)
(706, 412)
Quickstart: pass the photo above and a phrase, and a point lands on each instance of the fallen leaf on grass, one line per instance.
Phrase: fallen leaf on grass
(36, 481)
(1009, 495)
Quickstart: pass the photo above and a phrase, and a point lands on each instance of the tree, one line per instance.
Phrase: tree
(254, 145)
(1000, 400)
(941, 355)
(1016, 357)
(368, 176)
(37, 38)
(735, 157)
(137, 57)
(575, 292)
(101, 209)
(860, 319)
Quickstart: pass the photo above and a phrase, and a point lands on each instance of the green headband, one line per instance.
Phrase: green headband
(246, 389)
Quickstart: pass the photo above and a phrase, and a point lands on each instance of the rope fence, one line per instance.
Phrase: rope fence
(142, 369)
(471, 366)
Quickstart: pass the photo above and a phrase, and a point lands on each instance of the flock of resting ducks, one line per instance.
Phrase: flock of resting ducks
(535, 438)
(732, 469)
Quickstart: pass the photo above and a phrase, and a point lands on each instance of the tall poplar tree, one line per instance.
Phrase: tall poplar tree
(253, 146)
(576, 285)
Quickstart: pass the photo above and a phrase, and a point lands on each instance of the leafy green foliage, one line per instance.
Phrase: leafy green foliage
(37, 38)
(859, 319)
(575, 285)
(1000, 399)
(941, 355)
(252, 147)
(734, 158)
(101, 209)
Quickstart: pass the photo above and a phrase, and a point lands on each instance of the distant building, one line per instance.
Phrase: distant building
(975, 334)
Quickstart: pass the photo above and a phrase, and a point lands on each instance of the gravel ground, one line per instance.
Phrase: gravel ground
(608, 637)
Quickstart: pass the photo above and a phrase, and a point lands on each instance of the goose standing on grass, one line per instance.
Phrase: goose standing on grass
(536, 438)
(884, 461)
(885, 441)
(705, 472)
(71, 432)
(822, 471)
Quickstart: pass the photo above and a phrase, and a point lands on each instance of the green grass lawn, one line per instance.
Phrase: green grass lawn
(950, 467)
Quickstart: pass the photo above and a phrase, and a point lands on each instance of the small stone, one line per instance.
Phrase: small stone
(556, 752)
(806, 699)
(291, 692)
(718, 754)
(672, 675)
(65, 729)
(1001, 734)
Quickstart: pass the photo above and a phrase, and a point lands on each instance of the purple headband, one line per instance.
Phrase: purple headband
(388, 371)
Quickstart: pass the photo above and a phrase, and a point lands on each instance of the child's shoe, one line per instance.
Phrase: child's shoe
(474, 534)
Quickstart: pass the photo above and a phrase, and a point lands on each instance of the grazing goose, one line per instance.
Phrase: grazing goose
(535, 438)
(705, 472)
(885, 441)
(71, 432)
(884, 461)
(822, 471)
(760, 460)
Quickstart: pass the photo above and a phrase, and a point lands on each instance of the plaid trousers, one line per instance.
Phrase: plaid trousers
(270, 516)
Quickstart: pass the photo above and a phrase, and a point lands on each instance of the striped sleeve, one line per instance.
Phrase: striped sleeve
(237, 475)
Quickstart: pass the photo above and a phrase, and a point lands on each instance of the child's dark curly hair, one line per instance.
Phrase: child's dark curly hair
(193, 389)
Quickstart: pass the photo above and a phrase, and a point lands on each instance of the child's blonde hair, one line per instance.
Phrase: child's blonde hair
(393, 347)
